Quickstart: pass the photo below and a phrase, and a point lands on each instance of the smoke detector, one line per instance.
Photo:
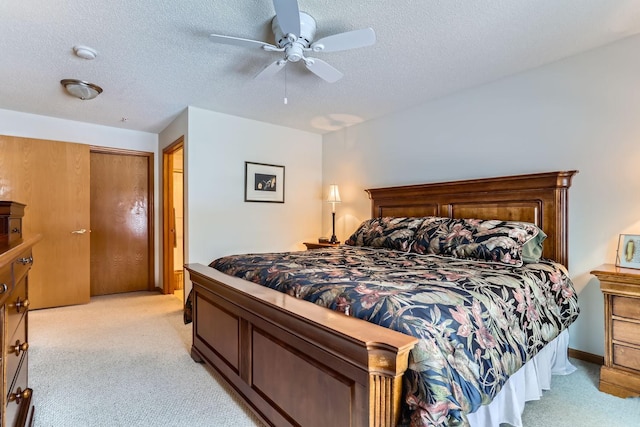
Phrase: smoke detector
(85, 52)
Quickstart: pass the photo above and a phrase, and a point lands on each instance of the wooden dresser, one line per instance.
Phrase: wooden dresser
(16, 258)
(620, 374)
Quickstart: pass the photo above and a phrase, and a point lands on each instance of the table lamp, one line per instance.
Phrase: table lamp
(334, 197)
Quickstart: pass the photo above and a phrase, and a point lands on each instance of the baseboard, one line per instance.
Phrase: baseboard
(587, 357)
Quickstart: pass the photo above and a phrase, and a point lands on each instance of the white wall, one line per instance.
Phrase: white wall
(582, 113)
(13, 123)
(26, 125)
(218, 220)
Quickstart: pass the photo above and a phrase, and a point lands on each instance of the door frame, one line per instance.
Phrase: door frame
(150, 200)
(167, 212)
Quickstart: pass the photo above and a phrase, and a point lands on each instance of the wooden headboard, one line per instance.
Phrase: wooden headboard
(539, 198)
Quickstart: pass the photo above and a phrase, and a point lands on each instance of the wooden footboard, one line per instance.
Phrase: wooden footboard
(293, 362)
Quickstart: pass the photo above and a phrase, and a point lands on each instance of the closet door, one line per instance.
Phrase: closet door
(52, 179)
(121, 221)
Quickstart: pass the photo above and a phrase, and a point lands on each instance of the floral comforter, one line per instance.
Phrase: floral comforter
(477, 322)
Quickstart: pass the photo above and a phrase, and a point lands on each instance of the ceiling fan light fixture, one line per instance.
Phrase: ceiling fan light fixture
(81, 89)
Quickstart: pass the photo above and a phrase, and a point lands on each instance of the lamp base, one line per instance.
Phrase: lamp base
(334, 239)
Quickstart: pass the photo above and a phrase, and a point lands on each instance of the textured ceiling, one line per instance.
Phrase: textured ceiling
(155, 57)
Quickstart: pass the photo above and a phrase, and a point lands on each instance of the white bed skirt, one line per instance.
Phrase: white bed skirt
(525, 385)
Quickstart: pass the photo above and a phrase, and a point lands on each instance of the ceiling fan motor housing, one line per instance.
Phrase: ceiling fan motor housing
(307, 31)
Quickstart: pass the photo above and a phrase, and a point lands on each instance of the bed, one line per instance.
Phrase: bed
(299, 363)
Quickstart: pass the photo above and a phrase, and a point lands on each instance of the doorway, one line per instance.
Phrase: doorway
(121, 221)
(173, 218)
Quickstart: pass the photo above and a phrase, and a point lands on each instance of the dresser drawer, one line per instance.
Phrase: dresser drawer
(22, 265)
(16, 305)
(18, 399)
(626, 307)
(6, 280)
(16, 347)
(626, 357)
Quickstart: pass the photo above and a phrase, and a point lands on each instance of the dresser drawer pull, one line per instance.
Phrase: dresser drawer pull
(15, 230)
(20, 305)
(19, 348)
(26, 260)
(3, 288)
(19, 395)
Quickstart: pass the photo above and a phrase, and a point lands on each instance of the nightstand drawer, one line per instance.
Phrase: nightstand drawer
(626, 357)
(626, 332)
(313, 245)
(626, 307)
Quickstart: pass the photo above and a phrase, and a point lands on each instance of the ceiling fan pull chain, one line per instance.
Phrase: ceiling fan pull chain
(285, 87)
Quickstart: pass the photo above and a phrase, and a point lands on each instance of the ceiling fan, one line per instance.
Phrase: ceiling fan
(294, 32)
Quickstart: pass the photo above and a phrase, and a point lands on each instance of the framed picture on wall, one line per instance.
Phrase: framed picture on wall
(263, 183)
(628, 251)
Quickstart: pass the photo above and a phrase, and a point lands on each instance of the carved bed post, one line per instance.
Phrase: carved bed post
(386, 369)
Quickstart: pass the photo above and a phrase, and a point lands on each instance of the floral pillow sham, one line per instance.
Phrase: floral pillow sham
(386, 232)
(484, 240)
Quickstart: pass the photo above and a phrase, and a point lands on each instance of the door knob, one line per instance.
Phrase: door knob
(81, 231)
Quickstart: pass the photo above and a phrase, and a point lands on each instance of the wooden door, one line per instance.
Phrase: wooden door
(121, 221)
(52, 179)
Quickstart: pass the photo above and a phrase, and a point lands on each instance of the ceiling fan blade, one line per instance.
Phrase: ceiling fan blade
(288, 15)
(323, 70)
(271, 69)
(237, 41)
(344, 41)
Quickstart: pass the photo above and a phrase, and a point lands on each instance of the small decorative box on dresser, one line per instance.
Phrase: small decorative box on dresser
(10, 224)
(16, 259)
(620, 374)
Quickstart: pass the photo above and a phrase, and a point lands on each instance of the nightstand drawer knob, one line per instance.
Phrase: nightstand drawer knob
(15, 230)
(19, 395)
(3, 288)
(18, 348)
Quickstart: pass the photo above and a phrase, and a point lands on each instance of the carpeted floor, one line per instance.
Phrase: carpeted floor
(123, 360)
(575, 401)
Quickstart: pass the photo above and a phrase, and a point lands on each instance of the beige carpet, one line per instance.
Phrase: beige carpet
(123, 360)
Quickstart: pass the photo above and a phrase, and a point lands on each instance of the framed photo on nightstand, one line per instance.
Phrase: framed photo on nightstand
(628, 251)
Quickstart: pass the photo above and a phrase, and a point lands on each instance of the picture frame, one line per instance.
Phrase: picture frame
(628, 254)
(263, 183)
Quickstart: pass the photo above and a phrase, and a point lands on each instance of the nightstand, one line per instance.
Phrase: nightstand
(620, 374)
(314, 245)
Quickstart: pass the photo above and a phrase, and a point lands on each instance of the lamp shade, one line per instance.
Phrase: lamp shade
(334, 194)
